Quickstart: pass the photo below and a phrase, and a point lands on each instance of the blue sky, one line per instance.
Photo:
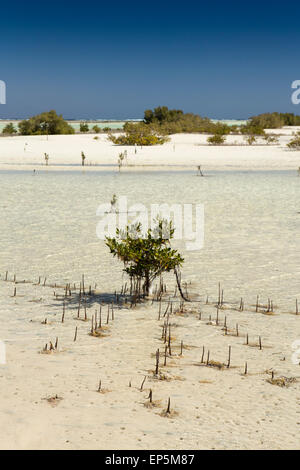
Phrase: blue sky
(115, 59)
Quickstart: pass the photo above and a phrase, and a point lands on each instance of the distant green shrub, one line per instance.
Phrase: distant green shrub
(138, 134)
(84, 127)
(294, 144)
(252, 129)
(250, 139)
(234, 129)
(44, 124)
(96, 129)
(172, 121)
(275, 120)
(271, 139)
(9, 129)
(216, 139)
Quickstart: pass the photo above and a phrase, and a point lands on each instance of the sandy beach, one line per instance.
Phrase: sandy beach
(183, 151)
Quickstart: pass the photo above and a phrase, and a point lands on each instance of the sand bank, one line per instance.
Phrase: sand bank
(183, 151)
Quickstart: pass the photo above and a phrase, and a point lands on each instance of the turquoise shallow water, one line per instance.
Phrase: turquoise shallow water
(117, 124)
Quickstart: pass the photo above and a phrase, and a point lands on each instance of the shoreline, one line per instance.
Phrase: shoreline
(139, 169)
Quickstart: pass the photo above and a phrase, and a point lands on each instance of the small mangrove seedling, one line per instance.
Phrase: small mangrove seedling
(169, 342)
(75, 336)
(113, 203)
(157, 363)
(203, 352)
(79, 305)
(166, 354)
(229, 357)
(169, 406)
(207, 360)
(120, 160)
(63, 314)
(199, 173)
(168, 413)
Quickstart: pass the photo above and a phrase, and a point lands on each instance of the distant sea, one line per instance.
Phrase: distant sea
(113, 124)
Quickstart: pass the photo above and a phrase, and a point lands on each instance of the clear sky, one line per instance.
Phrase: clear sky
(115, 59)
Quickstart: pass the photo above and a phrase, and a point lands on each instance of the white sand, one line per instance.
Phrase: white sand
(48, 228)
(216, 409)
(189, 151)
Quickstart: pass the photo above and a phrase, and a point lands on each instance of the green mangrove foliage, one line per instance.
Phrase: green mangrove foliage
(274, 120)
(216, 139)
(84, 127)
(252, 129)
(250, 139)
(172, 121)
(96, 129)
(138, 134)
(145, 256)
(294, 144)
